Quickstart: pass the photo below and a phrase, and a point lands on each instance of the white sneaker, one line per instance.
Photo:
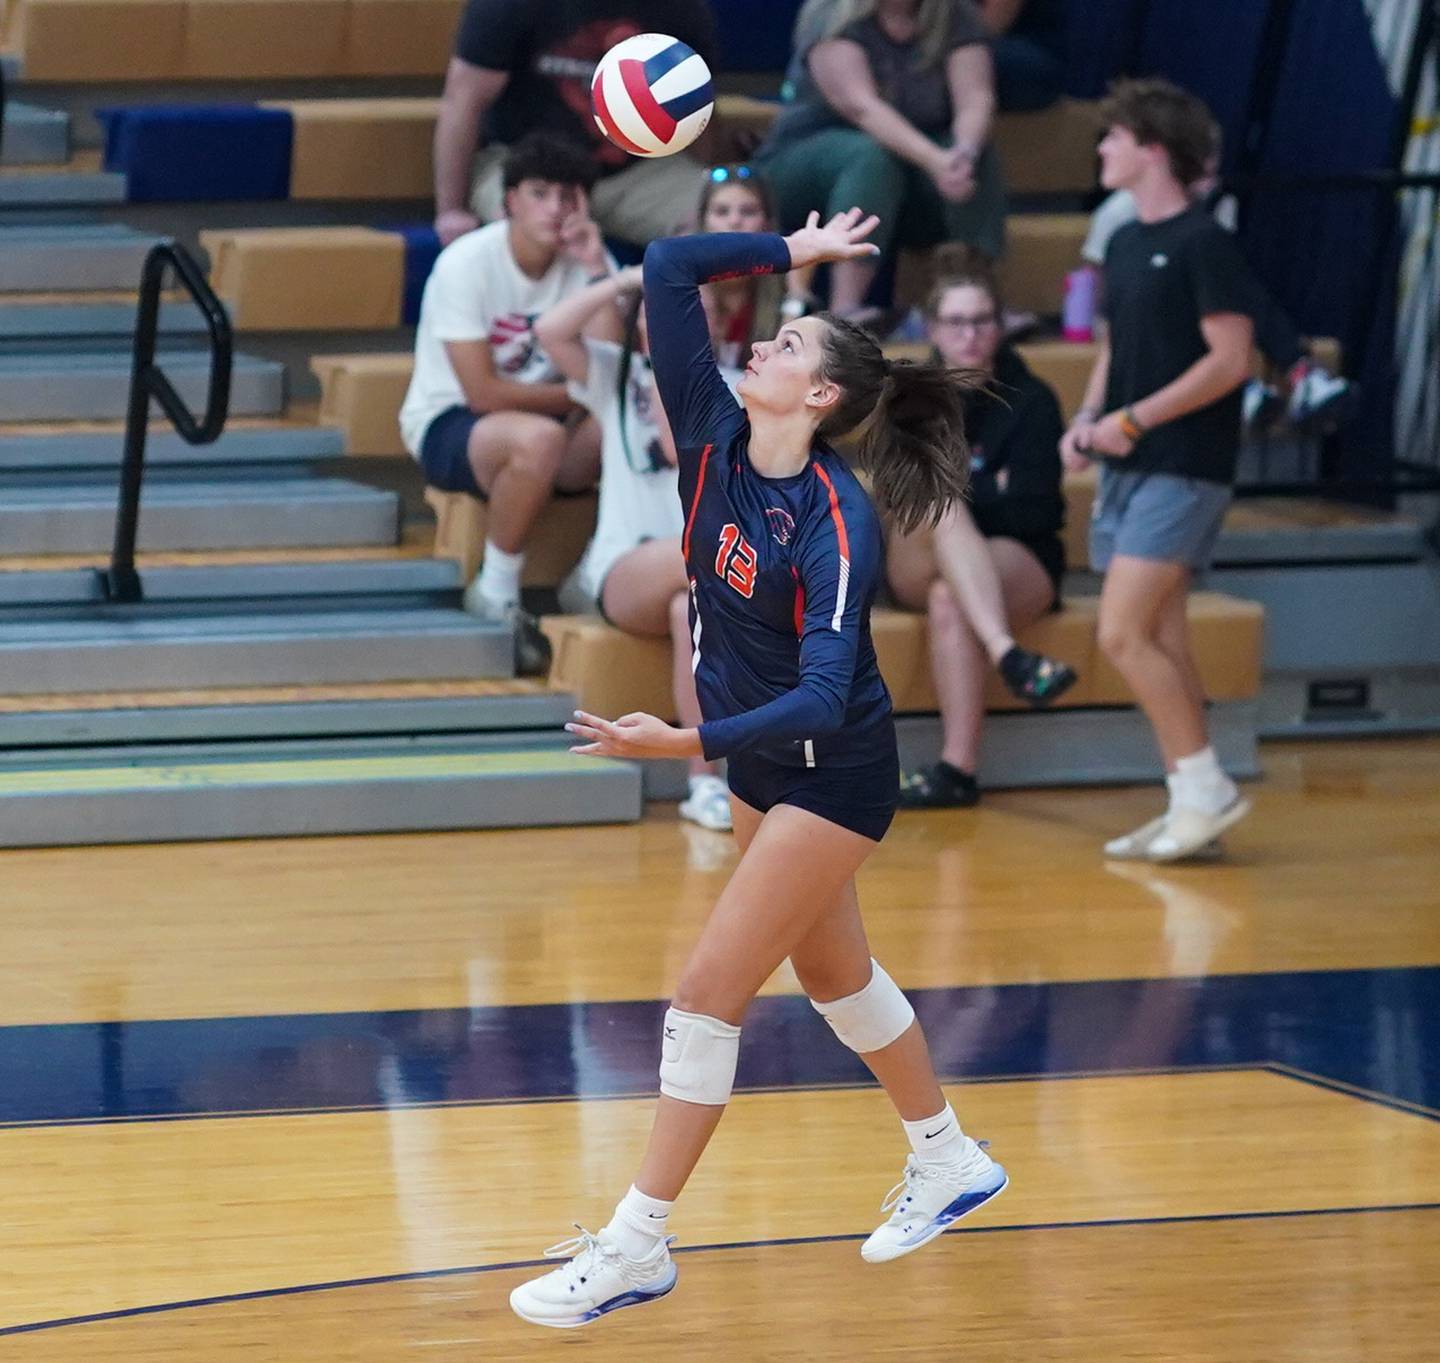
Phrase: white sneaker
(1134, 846)
(597, 1280)
(929, 1199)
(708, 804)
(1321, 400)
(1188, 831)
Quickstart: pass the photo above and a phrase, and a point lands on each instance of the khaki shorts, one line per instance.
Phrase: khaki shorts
(647, 199)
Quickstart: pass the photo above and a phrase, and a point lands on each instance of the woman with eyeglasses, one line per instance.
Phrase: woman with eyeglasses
(889, 105)
(993, 566)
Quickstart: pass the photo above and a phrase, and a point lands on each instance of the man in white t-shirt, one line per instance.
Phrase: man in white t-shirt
(486, 412)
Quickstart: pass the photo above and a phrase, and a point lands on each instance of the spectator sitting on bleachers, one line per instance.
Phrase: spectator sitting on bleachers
(633, 571)
(994, 566)
(889, 107)
(1030, 51)
(1162, 415)
(523, 66)
(741, 311)
(1318, 400)
(487, 412)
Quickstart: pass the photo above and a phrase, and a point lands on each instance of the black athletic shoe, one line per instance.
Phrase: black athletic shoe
(939, 786)
(1034, 678)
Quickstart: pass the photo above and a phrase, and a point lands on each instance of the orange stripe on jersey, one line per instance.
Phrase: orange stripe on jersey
(695, 502)
(843, 586)
(799, 604)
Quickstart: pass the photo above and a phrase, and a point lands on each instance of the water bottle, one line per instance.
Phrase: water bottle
(1082, 291)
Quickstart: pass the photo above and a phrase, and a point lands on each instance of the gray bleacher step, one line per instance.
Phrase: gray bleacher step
(271, 514)
(397, 787)
(85, 385)
(265, 649)
(82, 317)
(1383, 539)
(44, 188)
(279, 582)
(62, 449)
(34, 136)
(69, 257)
(537, 711)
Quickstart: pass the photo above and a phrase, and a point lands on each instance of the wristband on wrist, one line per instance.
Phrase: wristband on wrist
(1130, 424)
(1090, 414)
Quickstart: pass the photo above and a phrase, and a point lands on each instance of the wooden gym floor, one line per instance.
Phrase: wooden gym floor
(328, 1099)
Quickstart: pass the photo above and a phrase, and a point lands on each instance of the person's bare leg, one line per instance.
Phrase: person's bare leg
(515, 457)
(958, 660)
(1172, 637)
(1131, 602)
(850, 281)
(964, 560)
(579, 468)
(832, 963)
(791, 873)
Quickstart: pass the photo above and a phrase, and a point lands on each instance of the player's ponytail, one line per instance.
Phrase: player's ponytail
(914, 445)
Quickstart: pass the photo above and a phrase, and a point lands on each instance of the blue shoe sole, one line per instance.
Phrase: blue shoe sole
(961, 1207)
(637, 1297)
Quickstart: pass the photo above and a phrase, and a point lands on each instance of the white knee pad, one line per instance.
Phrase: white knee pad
(697, 1058)
(873, 1018)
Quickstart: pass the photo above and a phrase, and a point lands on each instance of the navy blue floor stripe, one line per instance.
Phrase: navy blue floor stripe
(1377, 1030)
(380, 1280)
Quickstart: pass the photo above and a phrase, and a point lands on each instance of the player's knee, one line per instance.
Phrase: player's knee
(1117, 636)
(940, 602)
(697, 1058)
(871, 1019)
(539, 448)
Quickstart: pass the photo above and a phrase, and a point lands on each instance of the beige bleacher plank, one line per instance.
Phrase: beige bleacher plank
(308, 278)
(99, 40)
(554, 547)
(1052, 151)
(400, 37)
(361, 394)
(264, 39)
(362, 148)
(611, 673)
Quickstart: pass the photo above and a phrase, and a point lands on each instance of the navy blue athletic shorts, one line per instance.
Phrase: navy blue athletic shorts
(445, 452)
(862, 799)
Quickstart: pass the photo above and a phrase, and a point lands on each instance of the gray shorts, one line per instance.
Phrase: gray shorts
(1156, 516)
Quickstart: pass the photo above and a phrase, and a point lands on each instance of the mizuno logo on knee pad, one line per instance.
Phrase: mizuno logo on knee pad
(698, 1057)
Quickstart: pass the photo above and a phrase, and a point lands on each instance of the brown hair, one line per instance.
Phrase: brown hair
(746, 177)
(914, 445)
(1162, 114)
(961, 269)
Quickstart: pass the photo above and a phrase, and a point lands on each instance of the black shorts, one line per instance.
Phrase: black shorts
(861, 798)
(445, 452)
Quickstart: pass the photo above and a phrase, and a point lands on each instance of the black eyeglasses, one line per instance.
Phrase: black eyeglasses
(722, 173)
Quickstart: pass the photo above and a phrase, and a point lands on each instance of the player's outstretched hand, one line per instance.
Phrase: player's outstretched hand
(842, 238)
(637, 735)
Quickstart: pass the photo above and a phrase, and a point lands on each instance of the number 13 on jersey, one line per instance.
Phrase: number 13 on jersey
(736, 562)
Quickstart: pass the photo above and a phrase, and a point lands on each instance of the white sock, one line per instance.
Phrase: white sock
(638, 1225)
(1199, 782)
(938, 1139)
(499, 580)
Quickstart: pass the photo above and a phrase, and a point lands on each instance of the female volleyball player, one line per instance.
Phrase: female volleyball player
(784, 555)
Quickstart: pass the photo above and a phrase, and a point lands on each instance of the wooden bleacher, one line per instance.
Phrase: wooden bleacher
(109, 41)
(612, 673)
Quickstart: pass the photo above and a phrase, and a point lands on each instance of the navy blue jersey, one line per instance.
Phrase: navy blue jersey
(783, 571)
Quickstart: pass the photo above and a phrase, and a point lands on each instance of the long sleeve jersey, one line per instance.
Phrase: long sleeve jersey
(783, 571)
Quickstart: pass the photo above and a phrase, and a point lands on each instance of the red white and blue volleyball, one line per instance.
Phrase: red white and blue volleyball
(652, 95)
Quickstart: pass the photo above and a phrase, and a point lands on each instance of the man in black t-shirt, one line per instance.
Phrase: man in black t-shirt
(1168, 378)
(524, 66)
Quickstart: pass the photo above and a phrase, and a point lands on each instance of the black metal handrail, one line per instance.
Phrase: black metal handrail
(147, 381)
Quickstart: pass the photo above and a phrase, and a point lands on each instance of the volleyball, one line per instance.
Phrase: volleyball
(652, 95)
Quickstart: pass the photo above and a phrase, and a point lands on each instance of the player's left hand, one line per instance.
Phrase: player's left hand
(637, 735)
(1107, 436)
